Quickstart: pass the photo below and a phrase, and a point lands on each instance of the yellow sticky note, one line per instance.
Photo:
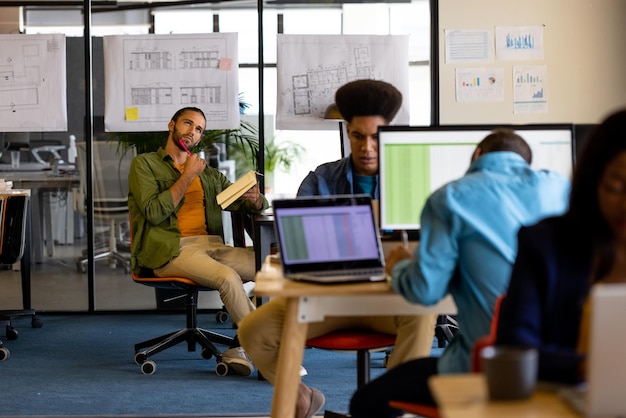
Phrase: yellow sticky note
(226, 64)
(132, 113)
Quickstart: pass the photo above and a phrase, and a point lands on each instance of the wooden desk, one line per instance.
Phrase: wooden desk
(310, 303)
(41, 182)
(466, 396)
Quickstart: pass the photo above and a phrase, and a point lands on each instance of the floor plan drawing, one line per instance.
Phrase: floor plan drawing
(159, 74)
(311, 68)
(32, 83)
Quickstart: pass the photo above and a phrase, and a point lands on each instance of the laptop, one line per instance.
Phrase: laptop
(603, 393)
(329, 239)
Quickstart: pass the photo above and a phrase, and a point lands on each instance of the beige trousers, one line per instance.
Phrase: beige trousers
(205, 259)
(260, 334)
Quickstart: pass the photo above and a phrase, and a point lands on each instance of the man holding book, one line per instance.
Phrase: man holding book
(177, 223)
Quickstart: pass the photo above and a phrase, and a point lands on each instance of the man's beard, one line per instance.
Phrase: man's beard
(176, 137)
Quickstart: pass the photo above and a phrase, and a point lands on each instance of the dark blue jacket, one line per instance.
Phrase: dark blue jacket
(330, 179)
(544, 301)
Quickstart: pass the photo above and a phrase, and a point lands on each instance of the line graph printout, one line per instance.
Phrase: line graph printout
(33, 83)
(149, 77)
(310, 68)
(530, 89)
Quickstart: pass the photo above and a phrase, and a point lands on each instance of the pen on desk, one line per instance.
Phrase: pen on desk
(182, 144)
(405, 239)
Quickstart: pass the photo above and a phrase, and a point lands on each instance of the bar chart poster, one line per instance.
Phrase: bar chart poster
(530, 89)
(479, 84)
(519, 43)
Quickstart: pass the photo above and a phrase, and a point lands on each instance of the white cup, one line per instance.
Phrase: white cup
(15, 159)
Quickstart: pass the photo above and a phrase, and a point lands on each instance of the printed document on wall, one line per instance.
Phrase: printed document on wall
(312, 67)
(519, 43)
(479, 84)
(32, 83)
(149, 77)
(530, 89)
(468, 45)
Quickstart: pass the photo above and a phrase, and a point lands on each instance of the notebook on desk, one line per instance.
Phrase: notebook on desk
(328, 239)
(603, 394)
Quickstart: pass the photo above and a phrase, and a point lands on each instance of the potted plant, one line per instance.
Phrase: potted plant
(277, 156)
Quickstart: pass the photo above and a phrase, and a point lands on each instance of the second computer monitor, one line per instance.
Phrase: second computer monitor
(416, 161)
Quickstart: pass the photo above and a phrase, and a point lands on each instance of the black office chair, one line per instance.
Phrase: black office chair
(192, 334)
(445, 329)
(13, 221)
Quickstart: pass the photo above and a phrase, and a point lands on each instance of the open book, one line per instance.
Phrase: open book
(238, 188)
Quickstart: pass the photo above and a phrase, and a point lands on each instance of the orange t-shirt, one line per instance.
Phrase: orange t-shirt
(191, 216)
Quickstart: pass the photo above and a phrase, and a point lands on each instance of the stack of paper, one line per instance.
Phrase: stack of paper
(237, 189)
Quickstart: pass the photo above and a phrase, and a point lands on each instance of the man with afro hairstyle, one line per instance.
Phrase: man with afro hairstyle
(365, 105)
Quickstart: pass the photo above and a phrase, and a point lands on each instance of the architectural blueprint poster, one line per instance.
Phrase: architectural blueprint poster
(32, 83)
(149, 77)
(312, 67)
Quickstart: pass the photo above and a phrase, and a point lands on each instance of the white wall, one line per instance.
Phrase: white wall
(584, 52)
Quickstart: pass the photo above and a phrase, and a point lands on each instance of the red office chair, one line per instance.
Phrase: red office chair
(429, 411)
(361, 341)
(191, 334)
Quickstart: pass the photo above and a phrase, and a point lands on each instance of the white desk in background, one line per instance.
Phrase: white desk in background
(40, 182)
(307, 302)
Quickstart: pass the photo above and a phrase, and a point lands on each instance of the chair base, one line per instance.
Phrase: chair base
(7, 315)
(192, 336)
(114, 258)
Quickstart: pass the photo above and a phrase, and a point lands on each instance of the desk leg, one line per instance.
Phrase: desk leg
(36, 218)
(289, 361)
(46, 221)
(25, 262)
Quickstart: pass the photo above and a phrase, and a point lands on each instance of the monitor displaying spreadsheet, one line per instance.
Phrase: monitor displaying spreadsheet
(416, 161)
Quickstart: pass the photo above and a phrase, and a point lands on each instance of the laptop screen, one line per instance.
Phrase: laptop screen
(327, 233)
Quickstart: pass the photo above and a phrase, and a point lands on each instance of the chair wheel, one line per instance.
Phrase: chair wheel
(36, 322)
(140, 358)
(221, 369)
(148, 367)
(207, 354)
(4, 353)
(11, 333)
(221, 317)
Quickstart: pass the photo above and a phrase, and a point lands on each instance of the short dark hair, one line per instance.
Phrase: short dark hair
(368, 98)
(184, 109)
(506, 140)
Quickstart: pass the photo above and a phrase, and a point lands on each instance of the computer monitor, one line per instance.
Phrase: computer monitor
(416, 161)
